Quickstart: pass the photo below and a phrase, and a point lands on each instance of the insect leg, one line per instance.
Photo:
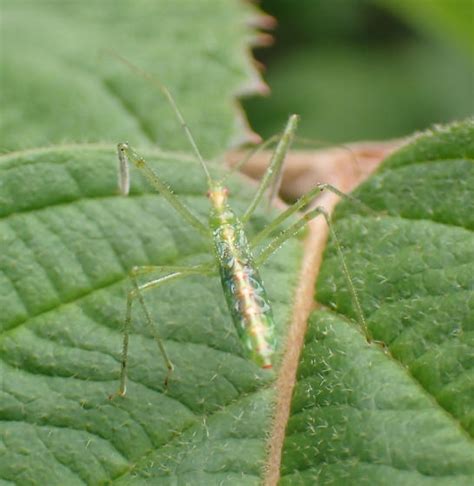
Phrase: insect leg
(174, 273)
(293, 229)
(125, 154)
(273, 225)
(274, 169)
(242, 162)
(276, 243)
(301, 203)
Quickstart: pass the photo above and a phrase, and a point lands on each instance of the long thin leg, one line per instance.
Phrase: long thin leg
(251, 153)
(277, 242)
(275, 166)
(302, 202)
(137, 293)
(126, 153)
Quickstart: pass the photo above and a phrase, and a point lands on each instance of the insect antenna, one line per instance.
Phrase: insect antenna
(169, 97)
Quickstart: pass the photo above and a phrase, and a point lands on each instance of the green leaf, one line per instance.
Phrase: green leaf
(403, 413)
(67, 242)
(61, 84)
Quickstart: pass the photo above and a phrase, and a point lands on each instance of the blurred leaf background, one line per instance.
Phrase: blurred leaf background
(366, 69)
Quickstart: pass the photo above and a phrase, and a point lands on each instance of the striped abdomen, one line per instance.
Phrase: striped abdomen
(244, 292)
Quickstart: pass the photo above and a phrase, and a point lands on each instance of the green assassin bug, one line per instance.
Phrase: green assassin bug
(234, 260)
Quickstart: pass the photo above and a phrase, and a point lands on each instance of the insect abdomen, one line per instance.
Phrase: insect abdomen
(245, 295)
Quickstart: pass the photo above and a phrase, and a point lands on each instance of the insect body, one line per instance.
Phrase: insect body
(243, 288)
(234, 256)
